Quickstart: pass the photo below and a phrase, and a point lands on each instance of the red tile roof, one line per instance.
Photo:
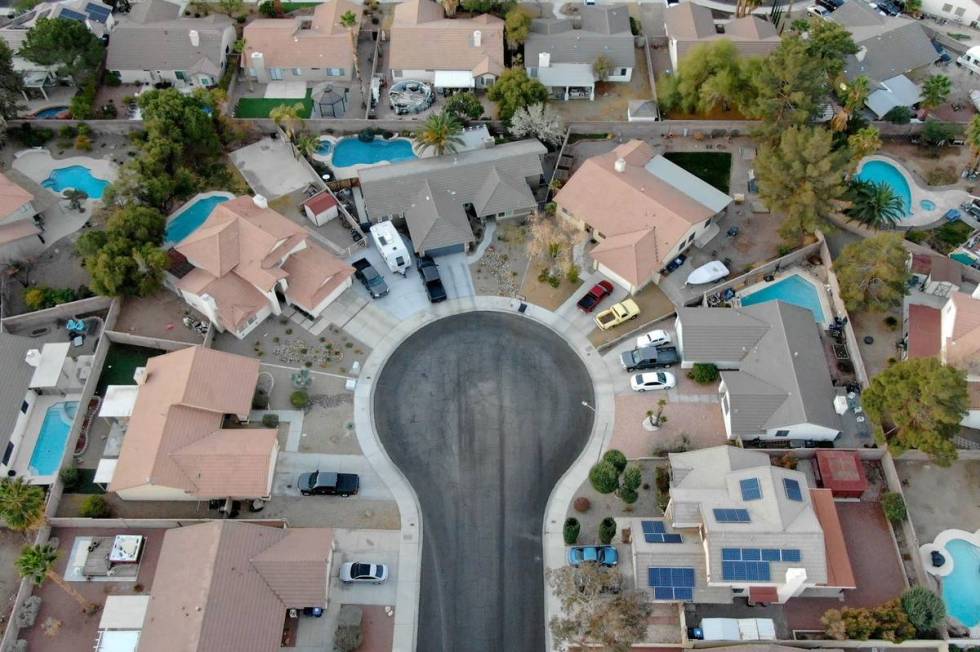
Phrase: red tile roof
(925, 326)
(763, 594)
(320, 203)
(839, 571)
(841, 471)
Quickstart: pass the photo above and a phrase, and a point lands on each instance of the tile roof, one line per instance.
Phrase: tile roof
(320, 202)
(17, 230)
(892, 45)
(313, 275)
(225, 586)
(841, 470)
(284, 43)
(691, 24)
(175, 437)
(12, 197)
(962, 348)
(925, 331)
(839, 570)
(167, 45)
(421, 38)
(604, 30)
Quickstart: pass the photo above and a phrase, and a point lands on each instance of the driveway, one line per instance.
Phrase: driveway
(290, 465)
(482, 413)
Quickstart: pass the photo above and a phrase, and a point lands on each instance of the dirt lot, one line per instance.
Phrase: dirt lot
(922, 161)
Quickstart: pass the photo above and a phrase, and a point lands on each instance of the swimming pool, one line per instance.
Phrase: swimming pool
(324, 147)
(51, 112)
(188, 220)
(78, 177)
(883, 172)
(928, 204)
(51, 440)
(793, 289)
(351, 151)
(961, 588)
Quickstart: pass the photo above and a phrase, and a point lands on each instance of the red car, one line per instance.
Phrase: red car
(599, 291)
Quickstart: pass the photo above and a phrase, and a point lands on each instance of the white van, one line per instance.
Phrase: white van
(389, 242)
(970, 60)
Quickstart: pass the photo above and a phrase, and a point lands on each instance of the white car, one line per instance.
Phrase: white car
(817, 11)
(653, 338)
(653, 380)
(354, 572)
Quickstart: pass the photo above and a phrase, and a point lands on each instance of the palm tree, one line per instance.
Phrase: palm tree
(854, 95)
(450, 7)
(863, 142)
(287, 115)
(440, 133)
(75, 198)
(21, 504)
(935, 90)
(37, 563)
(973, 138)
(874, 204)
(307, 144)
(348, 21)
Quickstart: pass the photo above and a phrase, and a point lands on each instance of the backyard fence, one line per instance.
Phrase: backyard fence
(850, 337)
(160, 343)
(17, 324)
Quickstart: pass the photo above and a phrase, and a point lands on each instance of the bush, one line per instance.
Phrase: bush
(628, 496)
(367, 135)
(900, 115)
(663, 487)
(616, 458)
(70, 478)
(582, 504)
(83, 143)
(891, 322)
(917, 237)
(607, 531)
(925, 609)
(112, 78)
(31, 137)
(571, 531)
(632, 478)
(574, 275)
(41, 297)
(703, 373)
(270, 420)
(894, 506)
(67, 133)
(299, 399)
(604, 477)
(95, 506)
(83, 104)
(267, 9)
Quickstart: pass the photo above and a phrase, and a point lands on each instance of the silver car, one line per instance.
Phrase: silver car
(359, 572)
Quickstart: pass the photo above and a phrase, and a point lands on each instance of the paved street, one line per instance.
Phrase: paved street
(482, 412)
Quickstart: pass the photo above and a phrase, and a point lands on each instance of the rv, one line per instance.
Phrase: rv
(392, 247)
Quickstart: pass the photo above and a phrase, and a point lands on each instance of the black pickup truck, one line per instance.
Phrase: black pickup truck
(650, 357)
(429, 272)
(369, 277)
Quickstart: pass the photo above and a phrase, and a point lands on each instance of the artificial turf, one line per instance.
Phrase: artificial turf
(714, 168)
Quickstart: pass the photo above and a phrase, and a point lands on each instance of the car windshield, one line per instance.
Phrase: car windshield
(313, 478)
(661, 378)
(360, 570)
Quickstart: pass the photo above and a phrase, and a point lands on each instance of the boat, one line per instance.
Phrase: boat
(713, 271)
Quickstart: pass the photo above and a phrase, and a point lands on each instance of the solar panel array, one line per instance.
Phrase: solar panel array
(732, 515)
(744, 564)
(71, 14)
(750, 489)
(671, 583)
(793, 491)
(654, 532)
(97, 12)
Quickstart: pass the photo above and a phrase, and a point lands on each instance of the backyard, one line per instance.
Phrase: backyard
(259, 107)
(714, 168)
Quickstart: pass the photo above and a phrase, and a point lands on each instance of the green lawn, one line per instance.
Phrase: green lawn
(259, 107)
(714, 168)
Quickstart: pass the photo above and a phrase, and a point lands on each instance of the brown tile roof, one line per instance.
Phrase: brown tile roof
(839, 571)
(320, 203)
(841, 471)
(692, 24)
(236, 299)
(225, 586)
(423, 39)
(17, 231)
(924, 331)
(12, 197)
(175, 436)
(973, 392)
(963, 347)
(313, 275)
(283, 44)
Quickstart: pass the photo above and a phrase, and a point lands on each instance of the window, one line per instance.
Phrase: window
(24, 406)
(297, 72)
(750, 489)
(732, 515)
(532, 73)
(396, 73)
(960, 11)
(335, 72)
(275, 73)
(671, 583)
(792, 488)
(947, 8)
(180, 75)
(622, 72)
(782, 433)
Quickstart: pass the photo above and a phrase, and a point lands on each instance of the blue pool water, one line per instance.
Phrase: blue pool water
(793, 289)
(78, 177)
(928, 204)
(188, 220)
(51, 440)
(51, 112)
(961, 588)
(324, 147)
(883, 172)
(351, 151)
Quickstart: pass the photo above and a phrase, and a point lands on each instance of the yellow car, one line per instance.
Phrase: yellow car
(617, 314)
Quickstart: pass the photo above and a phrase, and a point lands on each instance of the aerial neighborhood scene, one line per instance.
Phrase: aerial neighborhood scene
(489, 325)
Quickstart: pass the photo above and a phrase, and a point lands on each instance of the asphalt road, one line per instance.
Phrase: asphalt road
(483, 414)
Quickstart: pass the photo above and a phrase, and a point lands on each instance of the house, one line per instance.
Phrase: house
(20, 233)
(935, 274)
(246, 261)
(642, 209)
(965, 12)
(689, 25)
(305, 48)
(561, 52)
(889, 49)
(738, 527)
(177, 444)
(775, 384)
(448, 53)
(227, 586)
(437, 197)
(154, 45)
(320, 208)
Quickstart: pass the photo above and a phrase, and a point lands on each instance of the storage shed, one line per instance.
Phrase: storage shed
(842, 472)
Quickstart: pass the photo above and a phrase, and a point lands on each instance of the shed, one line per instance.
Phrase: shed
(320, 208)
(842, 472)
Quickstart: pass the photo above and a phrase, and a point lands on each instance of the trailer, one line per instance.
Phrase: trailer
(389, 242)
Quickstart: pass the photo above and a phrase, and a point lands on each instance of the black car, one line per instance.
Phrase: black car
(674, 264)
(319, 483)
(830, 5)
(650, 357)
(370, 278)
(429, 272)
(888, 7)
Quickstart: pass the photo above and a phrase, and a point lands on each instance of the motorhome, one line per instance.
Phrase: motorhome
(389, 242)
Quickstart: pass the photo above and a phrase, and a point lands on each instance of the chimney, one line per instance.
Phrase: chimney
(544, 59)
(195, 38)
(861, 53)
(260, 201)
(477, 38)
(620, 165)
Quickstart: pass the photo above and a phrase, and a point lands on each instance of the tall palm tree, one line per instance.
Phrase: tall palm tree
(37, 563)
(854, 95)
(21, 504)
(450, 7)
(935, 90)
(874, 204)
(440, 133)
(348, 20)
(288, 117)
(863, 142)
(973, 139)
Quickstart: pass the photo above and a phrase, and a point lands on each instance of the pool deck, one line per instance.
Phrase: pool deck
(939, 545)
(25, 449)
(37, 165)
(828, 312)
(943, 199)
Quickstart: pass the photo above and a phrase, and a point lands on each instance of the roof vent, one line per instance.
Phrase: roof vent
(195, 38)
(260, 201)
(477, 38)
(544, 59)
(33, 358)
(620, 165)
(140, 375)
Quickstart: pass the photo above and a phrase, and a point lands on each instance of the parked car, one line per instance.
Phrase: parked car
(830, 5)
(653, 338)
(370, 278)
(653, 380)
(319, 483)
(887, 7)
(650, 357)
(354, 572)
(673, 265)
(604, 555)
(617, 314)
(818, 11)
(599, 291)
(429, 272)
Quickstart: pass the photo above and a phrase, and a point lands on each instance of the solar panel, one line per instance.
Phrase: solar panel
(71, 14)
(792, 555)
(653, 527)
(731, 554)
(751, 554)
(671, 583)
(793, 490)
(750, 489)
(745, 571)
(770, 554)
(97, 12)
(732, 515)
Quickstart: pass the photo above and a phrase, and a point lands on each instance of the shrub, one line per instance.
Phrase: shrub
(299, 399)
(574, 275)
(894, 506)
(112, 78)
(607, 530)
(83, 143)
(925, 609)
(267, 9)
(604, 477)
(67, 133)
(900, 115)
(554, 281)
(703, 373)
(270, 420)
(571, 531)
(628, 496)
(95, 506)
(582, 504)
(891, 322)
(663, 487)
(917, 237)
(260, 400)
(31, 137)
(632, 478)
(83, 104)
(616, 458)
(70, 478)
(887, 621)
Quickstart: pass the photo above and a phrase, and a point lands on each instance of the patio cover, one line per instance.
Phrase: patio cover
(567, 74)
(454, 79)
(896, 91)
(119, 401)
(118, 641)
(124, 612)
(105, 470)
(47, 372)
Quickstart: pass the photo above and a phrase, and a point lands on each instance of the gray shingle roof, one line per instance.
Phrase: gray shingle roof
(435, 220)
(166, 45)
(894, 45)
(701, 327)
(604, 30)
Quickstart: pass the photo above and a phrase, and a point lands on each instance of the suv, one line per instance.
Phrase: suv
(650, 357)
(328, 484)
(369, 278)
(429, 272)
